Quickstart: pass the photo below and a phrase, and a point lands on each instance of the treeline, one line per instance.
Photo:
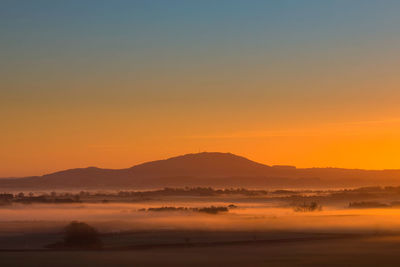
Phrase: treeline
(194, 191)
(210, 210)
(387, 193)
(373, 204)
(42, 198)
(293, 196)
(87, 196)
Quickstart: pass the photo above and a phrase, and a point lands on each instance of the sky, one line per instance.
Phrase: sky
(117, 83)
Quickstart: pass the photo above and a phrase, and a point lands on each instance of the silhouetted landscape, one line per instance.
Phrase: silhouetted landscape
(80, 213)
(227, 133)
(203, 169)
(268, 225)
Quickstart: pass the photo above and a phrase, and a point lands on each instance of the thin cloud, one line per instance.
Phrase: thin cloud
(344, 128)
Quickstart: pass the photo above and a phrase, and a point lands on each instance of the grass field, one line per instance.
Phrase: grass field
(355, 251)
(255, 233)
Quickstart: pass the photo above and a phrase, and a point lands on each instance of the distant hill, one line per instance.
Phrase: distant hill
(202, 169)
(202, 164)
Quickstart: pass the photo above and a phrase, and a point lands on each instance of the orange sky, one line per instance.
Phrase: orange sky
(116, 142)
(116, 85)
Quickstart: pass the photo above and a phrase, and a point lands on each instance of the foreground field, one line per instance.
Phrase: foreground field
(355, 251)
(171, 231)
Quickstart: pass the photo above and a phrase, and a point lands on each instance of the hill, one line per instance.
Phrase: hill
(202, 169)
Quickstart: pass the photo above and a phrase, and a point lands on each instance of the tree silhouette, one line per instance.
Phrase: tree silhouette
(82, 235)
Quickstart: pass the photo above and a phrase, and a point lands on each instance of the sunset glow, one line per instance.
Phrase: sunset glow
(199, 133)
(112, 85)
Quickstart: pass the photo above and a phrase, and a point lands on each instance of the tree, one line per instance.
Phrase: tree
(305, 207)
(81, 235)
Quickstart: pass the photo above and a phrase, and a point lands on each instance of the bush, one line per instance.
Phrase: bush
(213, 210)
(306, 207)
(210, 210)
(81, 235)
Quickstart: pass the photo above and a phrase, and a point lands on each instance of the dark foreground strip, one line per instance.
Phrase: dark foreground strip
(201, 244)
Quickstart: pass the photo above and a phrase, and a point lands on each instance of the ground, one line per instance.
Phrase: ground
(301, 250)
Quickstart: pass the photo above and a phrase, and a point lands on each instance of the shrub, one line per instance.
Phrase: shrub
(306, 207)
(213, 210)
(82, 235)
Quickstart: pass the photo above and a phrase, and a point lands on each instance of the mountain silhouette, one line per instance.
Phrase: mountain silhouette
(202, 164)
(201, 169)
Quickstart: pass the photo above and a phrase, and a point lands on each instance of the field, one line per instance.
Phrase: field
(258, 230)
(294, 251)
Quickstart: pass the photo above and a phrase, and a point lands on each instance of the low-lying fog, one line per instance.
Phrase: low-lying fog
(247, 216)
